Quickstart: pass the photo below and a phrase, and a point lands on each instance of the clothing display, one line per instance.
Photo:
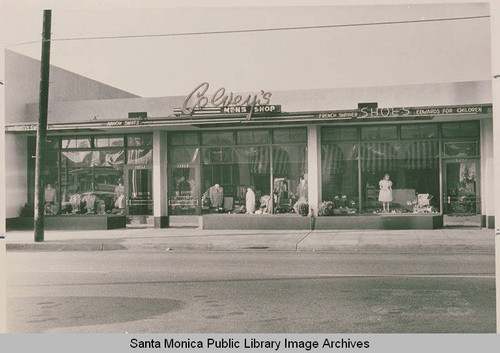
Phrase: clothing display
(50, 194)
(89, 200)
(302, 190)
(265, 204)
(120, 197)
(250, 201)
(216, 194)
(385, 194)
(119, 203)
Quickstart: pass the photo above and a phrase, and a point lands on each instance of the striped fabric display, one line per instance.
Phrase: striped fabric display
(333, 158)
(259, 160)
(422, 155)
(378, 156)
(281, 162)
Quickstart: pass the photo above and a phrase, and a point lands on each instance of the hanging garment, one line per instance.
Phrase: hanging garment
(50, 194)
(302, 190)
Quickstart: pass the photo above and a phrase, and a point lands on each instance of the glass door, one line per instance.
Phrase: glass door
(184, 189)
(461, 187)
(139, 186)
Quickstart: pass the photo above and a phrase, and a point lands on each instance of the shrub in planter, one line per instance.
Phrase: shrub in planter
(325, 208)
(301, 208)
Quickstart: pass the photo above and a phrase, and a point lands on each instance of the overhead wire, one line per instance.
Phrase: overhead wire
(256, 30)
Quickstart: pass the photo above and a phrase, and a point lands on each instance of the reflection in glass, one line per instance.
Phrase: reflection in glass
(139, 156)
(91, 182)
(340, 177)
(140, 191)
(462, 194)
(80, 142)
(139, 140)
(413, 169)
(290, 177)
(183, 194)
(460, 149)
(234, 170)
(108, 158)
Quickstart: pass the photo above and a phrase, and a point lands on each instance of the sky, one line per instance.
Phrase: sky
(359, 56)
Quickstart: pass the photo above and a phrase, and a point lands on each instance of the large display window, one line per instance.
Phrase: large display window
(85, 174)
(380, 169)
(257, 171)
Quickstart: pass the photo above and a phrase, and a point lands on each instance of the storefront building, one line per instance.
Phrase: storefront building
(261, 161)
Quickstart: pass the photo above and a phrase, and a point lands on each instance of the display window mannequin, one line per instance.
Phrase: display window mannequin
(385, 194)
(250, 201)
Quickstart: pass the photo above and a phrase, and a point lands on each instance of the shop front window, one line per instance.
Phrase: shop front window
(290, 186)
(384, 171)
(50, 179)
(340, 177)
(92, 182)
(400, 177)
(229, 173)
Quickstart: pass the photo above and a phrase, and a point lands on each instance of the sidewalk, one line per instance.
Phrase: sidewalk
(186, 239)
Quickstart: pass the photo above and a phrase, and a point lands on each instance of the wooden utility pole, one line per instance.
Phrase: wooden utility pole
(41, 132)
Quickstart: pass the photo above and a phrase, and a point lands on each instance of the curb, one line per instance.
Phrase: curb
(100, 246)
(64, 247)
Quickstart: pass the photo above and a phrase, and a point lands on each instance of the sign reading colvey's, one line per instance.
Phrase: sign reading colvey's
(198, 99)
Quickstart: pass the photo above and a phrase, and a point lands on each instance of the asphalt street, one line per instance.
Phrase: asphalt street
(250, 291)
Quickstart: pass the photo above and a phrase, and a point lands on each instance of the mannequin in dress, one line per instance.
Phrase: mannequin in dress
(120, 196)
(385, 195)
(250, 201)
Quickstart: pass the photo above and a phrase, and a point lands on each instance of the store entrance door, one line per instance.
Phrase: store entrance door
(139, 192)
(461, 200)
(184, 189)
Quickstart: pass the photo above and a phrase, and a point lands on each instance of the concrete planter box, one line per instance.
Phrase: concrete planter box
(296, 222)
(72, 222)
(390, 221)
(256, 222)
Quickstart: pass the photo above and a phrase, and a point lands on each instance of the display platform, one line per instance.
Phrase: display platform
(380, 221)
(296, 222)
(255, 222)
(74, 222)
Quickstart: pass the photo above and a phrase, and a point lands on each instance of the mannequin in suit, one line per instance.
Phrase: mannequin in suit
(216, 194)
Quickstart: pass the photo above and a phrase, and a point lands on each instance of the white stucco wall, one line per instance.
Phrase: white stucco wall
(16, 163)
(437, 94)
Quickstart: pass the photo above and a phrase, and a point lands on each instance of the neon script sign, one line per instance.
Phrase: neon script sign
(198, 99)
